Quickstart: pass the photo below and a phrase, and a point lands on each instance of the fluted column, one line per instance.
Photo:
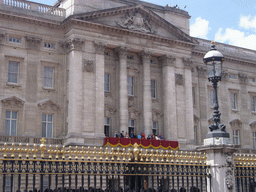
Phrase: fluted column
(74, 48)
(189, 101)
(123, 93)
(169, 102)
(99, 91)
(147, 101)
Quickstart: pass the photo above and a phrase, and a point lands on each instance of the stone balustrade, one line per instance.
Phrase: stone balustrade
(22, 4)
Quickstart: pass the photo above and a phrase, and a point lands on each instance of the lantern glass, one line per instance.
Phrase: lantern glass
(210, 69)
(218, 68)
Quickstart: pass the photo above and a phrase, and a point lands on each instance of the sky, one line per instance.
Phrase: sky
(227, 21)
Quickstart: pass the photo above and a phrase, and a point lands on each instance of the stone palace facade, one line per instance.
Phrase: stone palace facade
(79, 70)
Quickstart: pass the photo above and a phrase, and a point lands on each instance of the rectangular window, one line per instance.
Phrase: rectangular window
(107, 82)
(131, 126)
(14, 40)
(155, 127)
(194, 95)
(254, 140)
(107, 127)
(49, 45)
(153, 89)
(232, 76)
(253, 99)
(130, 85)
(11, 123)
(212, 99)
(13, 72)
(233, 100)
(236, 137)
(48, 77)
(251, 80)
(47, 127)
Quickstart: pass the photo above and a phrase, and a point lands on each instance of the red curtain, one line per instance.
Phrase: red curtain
(145, 143)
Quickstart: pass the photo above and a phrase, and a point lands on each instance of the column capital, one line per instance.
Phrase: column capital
(167, 60)
(99, 47)
(187, 63)
(201, 70)
(72, 43)
(122, 52)
(145, 54)
(33, 42)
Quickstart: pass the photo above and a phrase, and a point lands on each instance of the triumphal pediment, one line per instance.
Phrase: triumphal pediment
(135, 18)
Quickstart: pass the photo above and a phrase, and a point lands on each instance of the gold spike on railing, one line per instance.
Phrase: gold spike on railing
(88, 153)
(146, 155)
(101, 153)
(69, 152)
(76, 152)
(12, 150)
(34, 150)
(42, 147)
(94, 154)
(63, 151)
(50, 151)
(5, 150)
(56, 151)
(27, 150)
(124, 154)
(82, 153)
(129, 155)
(167, 156)
(20, 150)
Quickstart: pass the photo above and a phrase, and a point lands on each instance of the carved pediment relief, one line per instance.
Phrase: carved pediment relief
(136, 18)
(13, 101)
(133, 112)
(236, 123)
(44, 104)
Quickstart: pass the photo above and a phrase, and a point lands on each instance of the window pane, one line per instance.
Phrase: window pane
(13, 72)
(153, 88)
(43, 129)
(7, 127)
(50, 118)
(253, 103)
(14, 114)
(44, 117)
(8, 114)
(48, 77)
(49, 130)
(13, 128)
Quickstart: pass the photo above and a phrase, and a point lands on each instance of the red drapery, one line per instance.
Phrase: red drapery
(145, 143)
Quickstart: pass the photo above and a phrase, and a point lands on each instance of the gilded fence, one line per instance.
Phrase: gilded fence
(53, 168)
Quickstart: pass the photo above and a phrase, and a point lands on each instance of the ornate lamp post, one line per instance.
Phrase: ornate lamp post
(214, 60)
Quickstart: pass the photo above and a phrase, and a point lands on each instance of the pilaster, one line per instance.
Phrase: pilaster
(169, 97)
(147, 101)
(74, 49)
(189, 100)
(99, 85)
(123, 93)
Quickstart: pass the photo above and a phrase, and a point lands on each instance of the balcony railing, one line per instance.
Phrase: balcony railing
(35, 7)
(28, 139)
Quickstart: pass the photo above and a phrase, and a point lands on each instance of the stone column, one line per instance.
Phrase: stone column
(74, 47)
(99, 89)
(169, 91)
(189, 101)
(123, 93)
(220, 160)
(147, 100)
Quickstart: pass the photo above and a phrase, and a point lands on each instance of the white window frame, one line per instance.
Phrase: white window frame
(153, 89)
(254, 139)
(11, 120)
(234, 100)
(107, 124)
(45, 78)
(14, 39)
(236, 136)
(47, 123)
(253, 103)
(155, 127)
(232, 76)
(130, 87)
(13, 72)
(49, 45)
(107, 83)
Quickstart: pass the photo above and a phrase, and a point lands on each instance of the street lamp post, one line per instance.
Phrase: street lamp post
(214, 60)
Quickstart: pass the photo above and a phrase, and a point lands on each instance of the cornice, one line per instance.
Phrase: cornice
(227, 59)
